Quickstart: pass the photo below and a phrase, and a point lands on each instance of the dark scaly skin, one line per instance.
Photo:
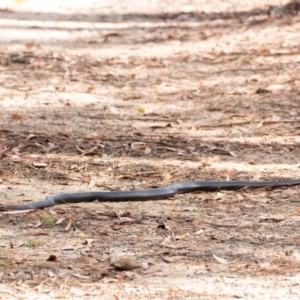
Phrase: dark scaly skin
(150, 194)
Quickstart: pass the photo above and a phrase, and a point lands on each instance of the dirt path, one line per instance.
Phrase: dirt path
(99, 96)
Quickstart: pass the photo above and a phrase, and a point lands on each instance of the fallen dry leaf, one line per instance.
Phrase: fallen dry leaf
(220, 259)
(17, 117)
(171, 259)
(52, 258)
(69, 224)
(125, 264)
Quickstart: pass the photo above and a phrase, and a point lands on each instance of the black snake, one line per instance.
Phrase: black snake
(149, 194)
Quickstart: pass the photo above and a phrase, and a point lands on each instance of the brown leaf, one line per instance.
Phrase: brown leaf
(220, 259)
(88, 241)
(92, 183)
(110, 34)
(59, 221)
(77, 275)
(232, 209)
(90, 89)
(38, 224)
(108, 280)
(182, 236)
(164, 226)
(200, 231)
(39, 233)
(52, 258)
(95, 255)
(233, 154)
(33, 283)
(180, 151)
(18, 259)
(3, 149)
(124, 220)
(92, 151)
(147, 151)
(125, 264)
(138, 145)
(150, 270)
(16, 117)
(30, 136)
(70, 222)
(161, 126)
(39, 165)
(173, 246)
(171, 259)
(49, 148)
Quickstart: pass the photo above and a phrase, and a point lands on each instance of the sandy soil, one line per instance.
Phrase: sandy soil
(103, 95)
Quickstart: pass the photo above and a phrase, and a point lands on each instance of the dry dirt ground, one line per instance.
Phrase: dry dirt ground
(119, 95)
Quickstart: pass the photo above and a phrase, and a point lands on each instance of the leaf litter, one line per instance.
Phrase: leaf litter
(190, 93)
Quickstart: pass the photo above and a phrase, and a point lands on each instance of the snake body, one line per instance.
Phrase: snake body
(150, 194)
